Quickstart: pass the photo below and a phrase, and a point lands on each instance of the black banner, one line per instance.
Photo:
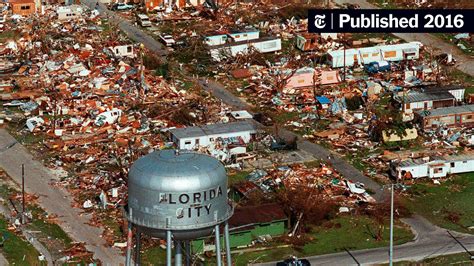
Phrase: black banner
(391, 20)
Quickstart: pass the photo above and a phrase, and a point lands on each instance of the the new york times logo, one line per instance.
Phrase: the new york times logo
(319, 21)
(375, 20)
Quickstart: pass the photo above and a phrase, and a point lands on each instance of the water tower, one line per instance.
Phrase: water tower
(177, 196)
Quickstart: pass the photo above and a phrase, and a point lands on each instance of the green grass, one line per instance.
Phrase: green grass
(153, 256)
(17, 250)
(284, 117)
(454, 196)
(347, 232)
(454, 259)
(237, 177)
(50, 229)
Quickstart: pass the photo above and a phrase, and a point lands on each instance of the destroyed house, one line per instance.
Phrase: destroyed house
(455, 90)
(432, 167)
(203, 136)
(248, 224)
(455, 116)
(23, 7)
(307, 41)
(262, 45)
(366, 55)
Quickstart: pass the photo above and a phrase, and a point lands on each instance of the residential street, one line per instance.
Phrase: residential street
(54, 200)
(430, 241)
(465, 63)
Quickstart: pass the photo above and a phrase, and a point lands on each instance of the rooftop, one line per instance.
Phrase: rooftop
(250, 215)
(425, 96)
(447, 111)
(214, 129)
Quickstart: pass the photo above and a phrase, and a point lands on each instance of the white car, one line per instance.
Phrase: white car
(143, 20)
(167, 40)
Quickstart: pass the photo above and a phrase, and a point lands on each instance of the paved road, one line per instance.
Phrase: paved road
(131, 30)
(465, 63)
(54, 200)
(430, 241)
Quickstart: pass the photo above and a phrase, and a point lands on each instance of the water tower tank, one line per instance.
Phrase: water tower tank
(180, 191)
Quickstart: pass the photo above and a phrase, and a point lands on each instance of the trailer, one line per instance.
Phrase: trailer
(362, 56)
(432, 167)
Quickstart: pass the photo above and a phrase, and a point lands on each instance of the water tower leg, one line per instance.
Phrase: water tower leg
(138, 237)
(128, 260)
(168, 248)
(218, 246)
(227, 244)
(187, 251)
(178, 258)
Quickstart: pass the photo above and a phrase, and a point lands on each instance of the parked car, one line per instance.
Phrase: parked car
(294, 262)
(377, 66)
(143, 20)
(167, 40)
(121, 7)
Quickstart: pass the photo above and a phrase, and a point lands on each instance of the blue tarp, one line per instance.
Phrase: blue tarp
(323, 100)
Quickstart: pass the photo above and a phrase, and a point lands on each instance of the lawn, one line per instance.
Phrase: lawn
(448, 205)
(15, 249)
(237, 177)
(343, 232)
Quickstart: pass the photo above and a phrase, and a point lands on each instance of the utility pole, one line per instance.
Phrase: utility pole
(344, 43)
(391, 226)
(23, 193)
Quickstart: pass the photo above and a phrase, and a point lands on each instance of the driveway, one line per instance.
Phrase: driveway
(54, 200)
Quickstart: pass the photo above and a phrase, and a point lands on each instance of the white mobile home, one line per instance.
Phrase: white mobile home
(235, 36)
(69, 12)
(123, 50)
(360, 56)
(433, 167)
(194, 137)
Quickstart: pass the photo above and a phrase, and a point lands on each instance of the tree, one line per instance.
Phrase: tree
(381, 215)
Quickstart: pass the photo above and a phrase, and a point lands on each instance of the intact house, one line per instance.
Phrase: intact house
(432, 167)
(307, 77)
(232, 134)
(456, 90)
(23, 7)
(416, 101)
(248, 224)
(230, 44)
(455, 116)
(362, 56)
